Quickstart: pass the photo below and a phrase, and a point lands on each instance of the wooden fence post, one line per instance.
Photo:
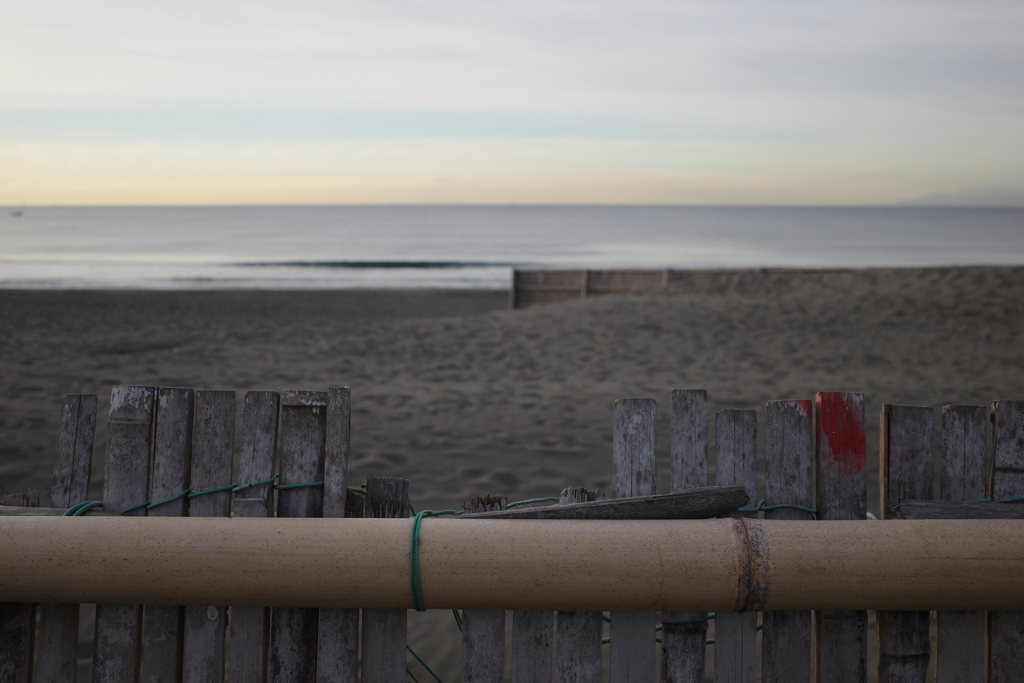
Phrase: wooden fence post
(683, 634)
(169, 475)
(960, 642)
(57, 630)
(339, 628)
(17, 619)
(129, 447)
(213, 438)
(633, 652)
(483, 630)
(384, 630)
(735, 633)
(905, 473)
(293, 640)
(789, 479)
(1006, 629)
(578, 650)
(840, 645)
(250, 626)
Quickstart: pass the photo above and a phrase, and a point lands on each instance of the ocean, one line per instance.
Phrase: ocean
(471, 247)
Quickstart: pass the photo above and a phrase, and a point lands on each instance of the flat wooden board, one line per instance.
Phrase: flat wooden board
(941, 509)
(702, 503)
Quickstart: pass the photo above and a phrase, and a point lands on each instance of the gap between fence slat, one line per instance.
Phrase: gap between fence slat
(126, 483)
(384, 630)
(683, 634)
(840, 642)
(57, 625)
(293, 640)
(339, 628)
(1006, 479)
(633, 653)
(789, 479)
(249, 627)
(162, 625)
(735, 633)
(905, 472)
(213, 439)
(960, 641)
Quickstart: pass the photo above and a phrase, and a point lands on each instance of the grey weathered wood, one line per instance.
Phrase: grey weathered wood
(531, 646)
(293, 639)
(840, 643)
(960, 639)
(213, 438)
(169, 475)
(905, 471)
(339, 628)
(249, 627)
(735, 645)
(1006, 480)
(126, 483)
(937, 509)
(633, 653)
(683, 634)
(789, 479)
(384, 630)
(17, 619)
(57, 624)
(578, 647)
(483, 630)
(702, 503)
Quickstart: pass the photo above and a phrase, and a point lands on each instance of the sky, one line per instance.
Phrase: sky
(606, 101)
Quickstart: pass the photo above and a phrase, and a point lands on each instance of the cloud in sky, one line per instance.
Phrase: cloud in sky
(737, 102)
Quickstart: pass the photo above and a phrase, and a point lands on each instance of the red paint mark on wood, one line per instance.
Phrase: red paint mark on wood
(840, 428)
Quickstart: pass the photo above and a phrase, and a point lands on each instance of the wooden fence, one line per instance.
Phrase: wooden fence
(162, 441)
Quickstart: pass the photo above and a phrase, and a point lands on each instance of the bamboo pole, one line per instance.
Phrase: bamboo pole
(692, 565)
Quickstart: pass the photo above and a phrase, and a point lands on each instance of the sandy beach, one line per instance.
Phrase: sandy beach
(462, 396)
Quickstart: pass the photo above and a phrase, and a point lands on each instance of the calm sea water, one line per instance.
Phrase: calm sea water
(471, 246)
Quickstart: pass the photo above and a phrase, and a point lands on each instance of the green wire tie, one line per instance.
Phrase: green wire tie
(257, 483)
(298, 486)
(424, 666)
(81, 508)
(136, 507)
(415, 583)
(169, 500)
(532, 500)
(761, 507)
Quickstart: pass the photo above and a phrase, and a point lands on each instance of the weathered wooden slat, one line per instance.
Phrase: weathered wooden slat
(17, 619)
(339, 628)
(789, 479)
(578, 650)
(213, 438)
(126, 483)
(1006, 480)
(384, 630)
(960, 639)
(938, 509)
(905, 471)
(702, 503)
(57, 625)
(169, 475)
(249, 627)
(633, 652)
(683, 634)
(840, 644)
(294, 639)
(735, 633)
(483, 630)
(531, 646)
